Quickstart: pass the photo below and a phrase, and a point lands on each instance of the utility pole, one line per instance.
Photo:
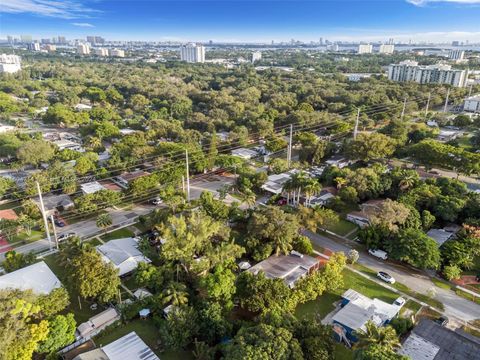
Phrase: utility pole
(470, 91)
(404, 107)
(54, 231)
(42, 209)
(446, 100)
(183, 184)
(188, 176)
(428, 103)
(289, 150)
(355, 130)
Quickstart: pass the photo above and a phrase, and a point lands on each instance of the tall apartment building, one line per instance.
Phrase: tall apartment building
(365, 48)
(117, 53)
(34, 46)
(83, 49)
(62, 40)
(101, 52)
(333, 47)
(432, 74)
(256, 56)
(50, 48)
(10, 63)
(456, 54)
(193, 53)
(386, 49)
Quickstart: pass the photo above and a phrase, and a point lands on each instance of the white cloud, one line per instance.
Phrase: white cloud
(67, 9)
(425, 2)
(83, 25)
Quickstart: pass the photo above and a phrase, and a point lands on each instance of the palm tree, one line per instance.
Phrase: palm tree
(340, 181)
(104, 221)
(383, 336)
(407, 182)
(311, 188)
(295, 185)
(175, 293)
(249, 198)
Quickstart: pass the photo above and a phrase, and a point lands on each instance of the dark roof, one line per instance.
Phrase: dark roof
(453, 345)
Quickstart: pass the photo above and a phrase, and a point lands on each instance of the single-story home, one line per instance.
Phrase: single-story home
(447, 135)
(338, 161)
(8, 214)
(64, 144)
(274, 183)
(97, 323)
(130, 347)
(83, 107)
(91, 187)
(36, 277)
(126, 178)
(290, 267)
(431, 341)
(54, 203)
(326, 195)
(244, 153)
(127, 131)
(440, 235)
(123, 254)
(358, 309)
(368, 208)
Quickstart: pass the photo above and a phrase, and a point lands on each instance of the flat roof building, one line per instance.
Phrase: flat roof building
(365, 49)
(192, 53)
(472, 104)
(10, 63)
(386, 49)
(430, 74)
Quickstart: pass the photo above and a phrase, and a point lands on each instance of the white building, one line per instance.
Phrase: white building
(10, 63)
(472, 104)
(117, 53)
(244, 153)
(123, 254)
(365, 48)
(101, 52)
(456, 54)
(34, 46)
(51, 48)
(83, 49)
(386, 49)
(193, 53)
(256, 56)
(37, 277)
(432, 74)
(333, 47)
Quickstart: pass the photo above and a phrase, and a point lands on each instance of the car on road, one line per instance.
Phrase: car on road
(66, 236)
(400, 301)
(385, 277)
(442, 320)
(157, 201)
(380, 254)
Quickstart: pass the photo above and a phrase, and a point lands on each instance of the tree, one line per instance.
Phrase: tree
(180, 327)
(104, 221)
(385, 336)
(219, 286)
(452, 272)
(95, 94)
(212, 151)
(216, 209)
(353, 256)
(315, 339)
(86, 163)
(213, 324)
(316, 217)
(175, 293)
(34, 152)
(14, 261)
(378, 352)
(371, 146)
(390, 214)
(61, 332)
(53, 303)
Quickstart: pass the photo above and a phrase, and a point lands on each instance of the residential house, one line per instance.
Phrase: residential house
(290, 267)
(357, 309)
(447, 135)
(244, 153)
(55, 203)
(440, 235)
(126, 178)
(123, 254)
(325, 196)
(368, 209)
(36, 277)
(91, 187)
(338, 161)
(8, 214)
(275, 182)
(97, 323)
(431, 341)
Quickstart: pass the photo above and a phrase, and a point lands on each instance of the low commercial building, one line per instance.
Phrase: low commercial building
(290, 267)
(37, 277)
(357, 310)
(472, 104)
(123, 254)
(431, 341)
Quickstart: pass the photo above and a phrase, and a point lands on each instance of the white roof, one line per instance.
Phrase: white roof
(37, 277)
(418, 348)
(142, 293)
(91, 187)
(129, 347)
(244, 153)
(127, 131)
(123, 253)
(82, 107)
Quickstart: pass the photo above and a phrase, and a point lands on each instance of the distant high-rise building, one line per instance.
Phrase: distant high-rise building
(45, 41)
(116, 53)
(193, 53)
(456, 54)
(390, 41)
(26, 38)
(386, 49)
(321, 41)
(62, 40)
(99, 40)
(432, 74)
(333, 47)
(91, 39)
(256, 56)
(10, 39)
(34, 46)
(83, 49)
(101, 52)
(10, 63)
(455, 43)
(50, 48)
(365, 48)
(210, 42)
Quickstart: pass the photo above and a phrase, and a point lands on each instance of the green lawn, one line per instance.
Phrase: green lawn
(141, 227)
(342, 228)
(343, 353)
(442, 284)
(10, 204)
(22, 237)
(118, 234)
(130, 283)
(321, 306)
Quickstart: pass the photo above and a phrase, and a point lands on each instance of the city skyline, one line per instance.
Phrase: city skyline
(245, 21)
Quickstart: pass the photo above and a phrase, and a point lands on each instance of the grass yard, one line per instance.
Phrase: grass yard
(412, 305)
(130, 283)
(118, 234)
(343, 227)
(142, 228)
(342, 352)
(321, 306)
(24, 238)
(442, 284)
(468, 296)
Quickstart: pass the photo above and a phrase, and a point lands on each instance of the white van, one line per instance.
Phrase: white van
(378, 254)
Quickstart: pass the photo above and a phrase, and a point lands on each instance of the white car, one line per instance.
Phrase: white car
(385, 277)
(157, 201)
(400, 302)
(379, 254)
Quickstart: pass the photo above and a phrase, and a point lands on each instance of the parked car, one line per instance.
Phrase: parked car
(378, 254)
(282, 202)
(66, 236)
(442, 320)
(385, 277)
(157, 201)
(400, 301)
(59, 222)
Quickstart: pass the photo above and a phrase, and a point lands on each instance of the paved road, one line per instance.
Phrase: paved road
(455, 306)
(87, 228)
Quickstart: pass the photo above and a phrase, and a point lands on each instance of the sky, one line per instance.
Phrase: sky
(244, 20)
